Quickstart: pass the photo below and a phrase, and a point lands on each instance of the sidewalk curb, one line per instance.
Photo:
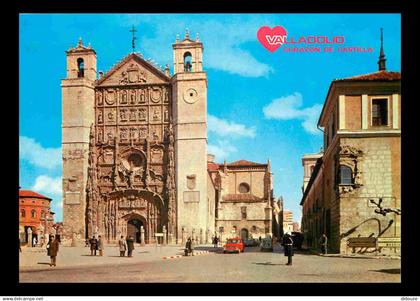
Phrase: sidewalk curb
(172, 257)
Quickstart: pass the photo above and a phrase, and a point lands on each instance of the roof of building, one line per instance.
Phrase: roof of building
(139, 58)
(211, 166)
(245, 163)
(243, 197)
(32, 194)
(382, 75)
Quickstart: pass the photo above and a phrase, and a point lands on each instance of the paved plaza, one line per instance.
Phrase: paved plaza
(74, 264)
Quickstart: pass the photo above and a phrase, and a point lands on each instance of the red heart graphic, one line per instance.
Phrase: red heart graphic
(271, 39)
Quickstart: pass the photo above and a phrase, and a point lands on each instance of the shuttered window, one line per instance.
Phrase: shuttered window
(379, 112)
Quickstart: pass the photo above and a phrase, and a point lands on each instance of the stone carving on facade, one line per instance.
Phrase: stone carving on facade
(133, 74)
(156, 114)
(110, 97)
(350, 156)
(124, 97)
(123, 115)
(142, 114)
(156, 94)
(142, 95)
(100, 117)
(99, 98)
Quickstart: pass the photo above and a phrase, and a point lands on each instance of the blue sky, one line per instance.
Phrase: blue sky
(261, 105)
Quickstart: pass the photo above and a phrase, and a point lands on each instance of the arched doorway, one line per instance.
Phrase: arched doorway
(244, 234)
(133, 229)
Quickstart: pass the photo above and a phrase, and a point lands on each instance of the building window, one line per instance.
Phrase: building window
(22, 213)
(379, 112)
(243, 212)
(42, 214)
(312, 169)
(346, 175)
(33, 213)
(187, 62)
(243, 188)
(80, 68)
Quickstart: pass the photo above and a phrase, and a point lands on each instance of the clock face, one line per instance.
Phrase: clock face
(190, 95)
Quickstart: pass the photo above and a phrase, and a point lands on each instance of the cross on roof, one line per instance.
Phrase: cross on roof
(133, 43)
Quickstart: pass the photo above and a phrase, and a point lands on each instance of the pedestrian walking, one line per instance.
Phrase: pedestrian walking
(34, 241)
(216, 241)
(93, 246)
(130, 246)
(323, 242)
(123, 246)
(287, 244)
(20, 249)
(188, 247)
(100, 246)
(52, 249)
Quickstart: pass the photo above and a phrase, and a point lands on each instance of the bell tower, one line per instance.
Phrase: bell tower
(77, 117)
(189, 91)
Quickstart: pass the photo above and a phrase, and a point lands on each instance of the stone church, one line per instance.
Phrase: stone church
(134, 146)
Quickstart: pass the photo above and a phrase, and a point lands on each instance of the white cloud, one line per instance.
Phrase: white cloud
(37, 155)
(224, 128)
(49, 186)
(223, 40)
(290, 107)
(221, 150)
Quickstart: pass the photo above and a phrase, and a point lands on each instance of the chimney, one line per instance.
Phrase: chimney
(210, 158)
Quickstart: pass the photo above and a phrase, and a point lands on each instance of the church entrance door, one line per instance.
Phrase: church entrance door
(133, 229)
(244, 234)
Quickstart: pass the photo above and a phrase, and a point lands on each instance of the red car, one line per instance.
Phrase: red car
(234, 245)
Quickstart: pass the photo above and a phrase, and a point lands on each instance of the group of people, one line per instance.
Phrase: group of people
(126, 245)
(123, 244)
(96, 245)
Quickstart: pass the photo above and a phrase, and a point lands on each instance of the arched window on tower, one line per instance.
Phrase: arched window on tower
(187, 62)
(33, 213)
(22, 213)
(80, 68)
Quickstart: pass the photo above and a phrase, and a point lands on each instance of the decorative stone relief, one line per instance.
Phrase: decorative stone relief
(123, 115)
(142, 95)
(100, 117)
(155, 114)
(133, 74)
(350, 156)
(124, 97)
(143, 114)
(110, 97)
(156, 94)
(99, 98)
(143, 132)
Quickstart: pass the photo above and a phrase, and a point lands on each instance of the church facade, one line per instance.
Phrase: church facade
(134, 144)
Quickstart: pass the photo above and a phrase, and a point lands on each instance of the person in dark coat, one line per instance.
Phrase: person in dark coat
(50, 240)
(216, 241)
(100, 246)
(93, 246)
(52, 248)
(287, 244)
(323, 242)
(130, 246)
(188, 246)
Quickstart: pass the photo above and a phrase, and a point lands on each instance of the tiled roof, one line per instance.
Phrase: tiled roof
(245, 163)
(243, 197)
(376, 76)
(31, 194)
(212, 166)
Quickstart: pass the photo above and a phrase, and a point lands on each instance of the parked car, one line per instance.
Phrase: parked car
(267, 244)
(251, 242)
(297, 238)
(234, 245)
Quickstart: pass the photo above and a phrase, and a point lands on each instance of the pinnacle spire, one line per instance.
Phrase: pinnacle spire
(187, 33)
(382, 59)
